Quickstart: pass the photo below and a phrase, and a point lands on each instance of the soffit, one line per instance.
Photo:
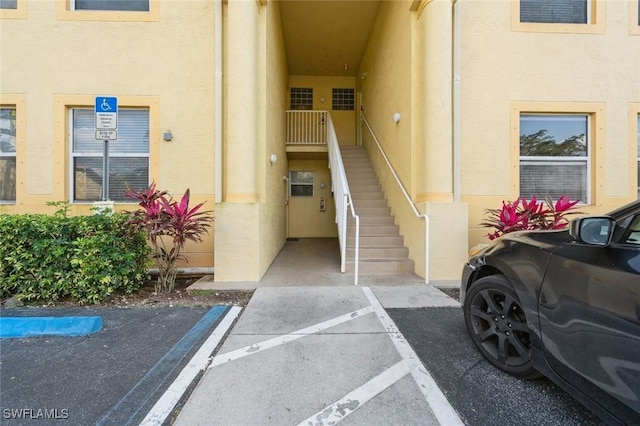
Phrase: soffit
(321, 36)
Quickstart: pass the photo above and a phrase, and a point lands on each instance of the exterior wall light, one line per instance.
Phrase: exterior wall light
(396, 117)
(273, 159)
(167, 136)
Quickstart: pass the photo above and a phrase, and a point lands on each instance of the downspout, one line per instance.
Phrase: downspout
(217, 111)
(455, 98)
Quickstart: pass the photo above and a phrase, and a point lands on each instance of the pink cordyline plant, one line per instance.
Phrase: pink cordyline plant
(169, 225)
(523, 215)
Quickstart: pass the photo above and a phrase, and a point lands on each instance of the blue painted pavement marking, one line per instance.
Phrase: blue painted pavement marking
(16, 327)
(125, 411)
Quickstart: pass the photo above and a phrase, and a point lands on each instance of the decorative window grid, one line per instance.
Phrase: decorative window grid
(343, 99)
(302, 98)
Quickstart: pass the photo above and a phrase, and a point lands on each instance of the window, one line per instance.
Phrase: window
(554, 156)
(301, 98)
(108, 10)
(301, 184)
(8, 154)
(555, 11)
(343, 99)
(128, 165)
(634, 17)
(13, 9)
(121, 5)
(633, 236)
(8, 4)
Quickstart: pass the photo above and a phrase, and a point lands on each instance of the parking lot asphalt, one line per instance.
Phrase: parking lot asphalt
(112, 377)
(297, 355)
(480, 393)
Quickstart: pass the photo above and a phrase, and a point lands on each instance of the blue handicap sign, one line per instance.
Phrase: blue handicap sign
(105, 104)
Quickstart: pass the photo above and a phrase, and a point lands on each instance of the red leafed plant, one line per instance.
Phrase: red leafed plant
(523, 215)
(169, 225)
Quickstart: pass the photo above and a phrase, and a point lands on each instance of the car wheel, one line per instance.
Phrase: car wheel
(498, 326)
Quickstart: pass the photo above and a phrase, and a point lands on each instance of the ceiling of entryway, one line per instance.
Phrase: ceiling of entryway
(321, 36)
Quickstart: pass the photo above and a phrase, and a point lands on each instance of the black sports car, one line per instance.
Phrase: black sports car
(564, 304)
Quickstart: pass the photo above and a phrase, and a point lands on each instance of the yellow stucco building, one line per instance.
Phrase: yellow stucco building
(451, 98)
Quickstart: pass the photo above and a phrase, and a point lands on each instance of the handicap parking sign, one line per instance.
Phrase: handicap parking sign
(106, 113)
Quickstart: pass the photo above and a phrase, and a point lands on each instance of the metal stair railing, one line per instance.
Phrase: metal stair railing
(406, 196)
(343, 200)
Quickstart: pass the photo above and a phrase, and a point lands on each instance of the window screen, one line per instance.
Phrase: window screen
(301, 98)
(554, 156)
(555, 11)
(301, 184)
(125, 5)
(128, 155)
(343, 99)
(8, 4)
(7, 154)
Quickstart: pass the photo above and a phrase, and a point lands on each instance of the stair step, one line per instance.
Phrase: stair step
(378, 253)
(360, 199)
(368, 203)
(376, 241)
(373, 211)
(381, 267)
(382, 249)
(371, 220)
(373, 230)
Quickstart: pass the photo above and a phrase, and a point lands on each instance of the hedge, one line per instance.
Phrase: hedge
(83, 258)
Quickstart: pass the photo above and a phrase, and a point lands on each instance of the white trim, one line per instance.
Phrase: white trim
(165, 405)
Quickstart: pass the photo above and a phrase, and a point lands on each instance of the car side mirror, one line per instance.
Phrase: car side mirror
(593, 230)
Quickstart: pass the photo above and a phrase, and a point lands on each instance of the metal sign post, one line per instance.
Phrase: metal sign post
(106, 109)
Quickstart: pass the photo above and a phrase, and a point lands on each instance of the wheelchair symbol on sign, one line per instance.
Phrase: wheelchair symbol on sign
(105, 105)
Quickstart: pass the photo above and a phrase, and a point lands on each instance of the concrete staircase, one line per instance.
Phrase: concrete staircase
(382, 249)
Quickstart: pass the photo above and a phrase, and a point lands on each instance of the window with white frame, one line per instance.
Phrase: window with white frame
(7, 154)
(302, 98)
(301, 183)
(556, 11)
(554, 156)
(119, 5)
(128, 165)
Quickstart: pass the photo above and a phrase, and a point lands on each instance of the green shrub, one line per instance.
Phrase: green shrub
(84, 258)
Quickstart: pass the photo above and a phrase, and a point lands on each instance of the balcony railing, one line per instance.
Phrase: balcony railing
(306, 127)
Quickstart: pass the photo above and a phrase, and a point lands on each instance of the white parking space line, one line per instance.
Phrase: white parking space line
(340, 409)
(441, 407)
(281, 340)
(198, 362)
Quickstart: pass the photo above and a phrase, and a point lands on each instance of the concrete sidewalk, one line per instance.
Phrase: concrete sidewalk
(317, 355)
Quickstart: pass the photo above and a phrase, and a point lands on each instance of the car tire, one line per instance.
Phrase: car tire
(498, 326)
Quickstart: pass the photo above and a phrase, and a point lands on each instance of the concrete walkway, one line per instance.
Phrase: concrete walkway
(311, 348)
(317, 355)
(311, 262)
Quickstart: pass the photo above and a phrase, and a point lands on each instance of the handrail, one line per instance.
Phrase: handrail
(406, 196)
(342, 197)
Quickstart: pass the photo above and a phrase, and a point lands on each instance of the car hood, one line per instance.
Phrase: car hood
(545, 240)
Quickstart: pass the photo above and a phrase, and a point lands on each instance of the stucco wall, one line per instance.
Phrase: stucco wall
(537, 71)
(251, 221)
(406, 69)
(273, 211)
(56, 59)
